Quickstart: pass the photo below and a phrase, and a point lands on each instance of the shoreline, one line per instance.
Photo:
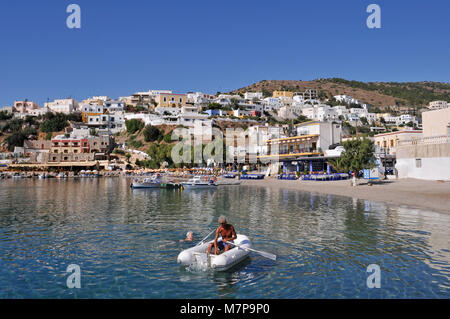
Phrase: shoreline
(431, 195)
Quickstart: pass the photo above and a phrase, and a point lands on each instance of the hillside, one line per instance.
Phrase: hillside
(378, 94)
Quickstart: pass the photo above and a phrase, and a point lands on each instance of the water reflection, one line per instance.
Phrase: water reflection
(126, 242)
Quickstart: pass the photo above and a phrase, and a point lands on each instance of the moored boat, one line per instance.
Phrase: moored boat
(61, 175)
(152, 182)
(198, 183)
(224, 261)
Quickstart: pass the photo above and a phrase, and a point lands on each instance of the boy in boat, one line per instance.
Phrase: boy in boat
(228, 234)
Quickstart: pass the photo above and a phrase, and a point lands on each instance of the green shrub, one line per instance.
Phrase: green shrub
(15, 139)
(119, 151)
(151, 133)
(134, 125)
(5, 116)
(136, 144)
(168, 138)
(54, 122)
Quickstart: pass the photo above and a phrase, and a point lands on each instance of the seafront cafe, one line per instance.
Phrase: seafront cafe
(298, 154)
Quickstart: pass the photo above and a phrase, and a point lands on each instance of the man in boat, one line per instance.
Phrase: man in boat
(228, 235)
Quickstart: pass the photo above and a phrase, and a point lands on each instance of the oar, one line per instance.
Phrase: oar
(205, 238)
(262, 253)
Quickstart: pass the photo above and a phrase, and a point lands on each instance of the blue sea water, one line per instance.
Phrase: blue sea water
(126, 243)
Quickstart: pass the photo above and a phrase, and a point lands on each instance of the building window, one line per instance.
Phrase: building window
(418, 162)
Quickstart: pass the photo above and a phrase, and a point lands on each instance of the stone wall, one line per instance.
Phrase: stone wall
(423, 151)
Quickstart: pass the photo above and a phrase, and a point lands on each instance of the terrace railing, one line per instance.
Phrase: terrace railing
(441, 139)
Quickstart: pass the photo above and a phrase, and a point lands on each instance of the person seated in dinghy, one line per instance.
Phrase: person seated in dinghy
(228, 235)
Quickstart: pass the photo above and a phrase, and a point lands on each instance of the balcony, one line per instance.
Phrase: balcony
(442, 139)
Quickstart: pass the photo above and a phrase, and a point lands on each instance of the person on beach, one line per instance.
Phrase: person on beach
(228, 235)
(189, 237)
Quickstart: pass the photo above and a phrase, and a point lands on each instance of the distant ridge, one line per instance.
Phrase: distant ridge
(380, 94)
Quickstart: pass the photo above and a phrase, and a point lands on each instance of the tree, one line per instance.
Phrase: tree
(5, 116)
(15, 139)
(151, 133)
(134, 125)
(358, 155)
(301, 119)
(54, 122)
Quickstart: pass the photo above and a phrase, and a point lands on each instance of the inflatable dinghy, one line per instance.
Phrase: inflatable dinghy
(224, 261)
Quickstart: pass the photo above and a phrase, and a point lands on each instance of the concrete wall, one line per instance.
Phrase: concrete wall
(424, 150)
(436, 123)
(425, 161)
(437, 168)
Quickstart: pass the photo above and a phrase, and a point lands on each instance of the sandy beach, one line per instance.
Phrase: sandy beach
(432, 195)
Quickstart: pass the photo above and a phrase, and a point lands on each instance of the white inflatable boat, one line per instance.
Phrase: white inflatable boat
(224, 261)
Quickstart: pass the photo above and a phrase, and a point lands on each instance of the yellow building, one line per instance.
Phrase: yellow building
(293, 147)
(91, 110)
(171, 100)
(283, 93)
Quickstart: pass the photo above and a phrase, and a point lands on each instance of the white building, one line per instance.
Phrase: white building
(405, 119)
(199, 98)
(285, 112)
(322, 112)
(299, 99)
(253, 95)
(114, 105)
(329, 133)
(429, 157)
(436, 105)
(65, 106)
(113, 123)
(271, 103)
(346, 99)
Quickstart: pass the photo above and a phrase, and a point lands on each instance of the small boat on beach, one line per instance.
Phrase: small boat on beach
(61, 175)
(198, 183)
(197, 256)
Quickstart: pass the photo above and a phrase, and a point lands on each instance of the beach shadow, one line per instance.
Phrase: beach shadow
(378, 182)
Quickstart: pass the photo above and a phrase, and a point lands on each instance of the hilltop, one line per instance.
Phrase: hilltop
(379, 94)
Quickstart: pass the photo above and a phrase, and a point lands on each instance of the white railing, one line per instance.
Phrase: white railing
(441, 139)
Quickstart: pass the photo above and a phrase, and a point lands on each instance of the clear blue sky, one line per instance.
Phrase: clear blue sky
(210, 46)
